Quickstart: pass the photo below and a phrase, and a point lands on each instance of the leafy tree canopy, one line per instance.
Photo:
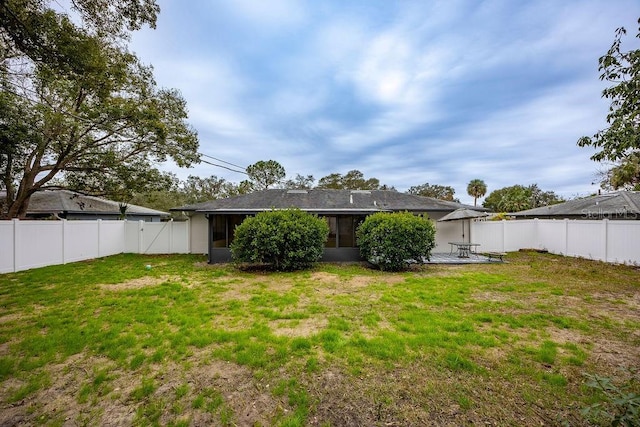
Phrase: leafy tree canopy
(624, 175)
(622, 137)
(264, 174)
(300, 182)
(352, 180)
(518, 197)
(79, 110)
(442, 192)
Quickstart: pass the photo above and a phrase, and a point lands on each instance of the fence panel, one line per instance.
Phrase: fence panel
(6, 246)
(180, 238)
(552, 235)
(133, 236)
(623, 242)
(38, 244)
(112, 237)
(520, 234)
(586, 239)
(156, 238)
(80, 240)
(490, 235)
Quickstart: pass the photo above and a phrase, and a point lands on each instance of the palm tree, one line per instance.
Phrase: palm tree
(476, 188)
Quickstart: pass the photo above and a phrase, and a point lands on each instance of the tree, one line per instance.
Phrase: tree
(287, 239)
(622, 137)
(518, 197)
(80, 110)
(264, 174)
(102, 132)
(625, 174)
(197, 190)
(352, 180)
(442, 192)
(392, 241)
(300, 182)
(170, 195)
(27, 26)
(476, 189)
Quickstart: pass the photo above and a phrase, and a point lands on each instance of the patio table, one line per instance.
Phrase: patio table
(464, 248)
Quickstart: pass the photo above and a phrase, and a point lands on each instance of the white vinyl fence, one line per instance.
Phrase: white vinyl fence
(32, 244)
(603, 240)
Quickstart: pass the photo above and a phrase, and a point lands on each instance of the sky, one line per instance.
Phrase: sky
(409, 92)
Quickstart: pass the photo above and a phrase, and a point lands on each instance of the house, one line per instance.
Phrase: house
(65, 204)
(213, 223)
(619, 205)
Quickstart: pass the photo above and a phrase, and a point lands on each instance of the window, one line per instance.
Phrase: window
(333, 232)
(346, 237)
(224, 227)
(219, 223)
(342, 230)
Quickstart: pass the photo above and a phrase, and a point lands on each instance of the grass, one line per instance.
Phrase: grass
(187, 343)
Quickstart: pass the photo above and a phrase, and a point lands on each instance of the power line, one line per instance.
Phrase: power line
(223, 161)
(221, 166)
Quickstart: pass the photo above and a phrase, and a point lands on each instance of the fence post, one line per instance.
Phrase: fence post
(124, 236)
(566, 237)
(189, 235)
(605, 231)
(63, 240)
(140, 236)
(99, 235)
(171, 236)
(15, 244)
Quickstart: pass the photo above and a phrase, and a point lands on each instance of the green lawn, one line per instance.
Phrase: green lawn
(185, 343)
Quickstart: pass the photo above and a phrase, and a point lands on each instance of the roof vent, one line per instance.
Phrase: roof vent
(297, 191)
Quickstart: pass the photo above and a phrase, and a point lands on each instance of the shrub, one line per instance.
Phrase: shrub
(286, 239)
(620, 405)
(392, 241)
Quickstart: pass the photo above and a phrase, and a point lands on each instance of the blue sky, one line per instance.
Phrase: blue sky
(405, 91)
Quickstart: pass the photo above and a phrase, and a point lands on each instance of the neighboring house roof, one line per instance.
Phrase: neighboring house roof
(619, 205)
(65, 201)
(325, 201)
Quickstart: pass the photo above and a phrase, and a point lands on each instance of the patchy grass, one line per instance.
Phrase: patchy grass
(186, 343)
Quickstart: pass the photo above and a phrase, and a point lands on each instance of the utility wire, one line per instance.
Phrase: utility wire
(221, 166)
(220, 160)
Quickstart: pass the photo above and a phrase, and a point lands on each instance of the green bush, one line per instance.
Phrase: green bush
(620, 404)
(285, 239)
(392, 241)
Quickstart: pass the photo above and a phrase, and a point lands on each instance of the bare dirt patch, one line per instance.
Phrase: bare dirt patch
(251, 401)
(9, 318)
(323, 277)
(298, 328)
(142, 282)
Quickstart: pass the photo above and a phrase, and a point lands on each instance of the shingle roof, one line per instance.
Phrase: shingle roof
(325, 201)
(58, 201)
(617, 204)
